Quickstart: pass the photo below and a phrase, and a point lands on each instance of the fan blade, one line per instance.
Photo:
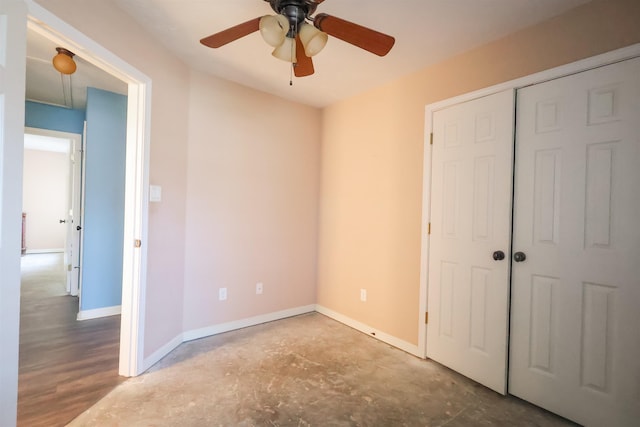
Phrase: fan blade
(304, 66)
(231, 34)
(363, 37)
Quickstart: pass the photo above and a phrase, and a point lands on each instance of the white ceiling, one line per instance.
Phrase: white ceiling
(426, 32)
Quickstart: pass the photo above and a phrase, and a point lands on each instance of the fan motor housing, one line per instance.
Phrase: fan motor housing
(295, 10)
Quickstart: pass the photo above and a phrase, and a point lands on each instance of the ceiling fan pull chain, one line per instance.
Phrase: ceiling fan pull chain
(293, 51)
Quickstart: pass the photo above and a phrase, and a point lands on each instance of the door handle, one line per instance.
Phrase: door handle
(498, 255)
(519, 256)
(78, 228)
(62, 221)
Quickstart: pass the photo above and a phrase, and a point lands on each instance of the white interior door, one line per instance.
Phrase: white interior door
(13, 27)
(470, 221)
(75, 226)
(575, 344)
(75, 216)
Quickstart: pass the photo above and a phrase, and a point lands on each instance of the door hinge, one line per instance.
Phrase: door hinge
(431, 139)
(137, 243)
(426, 317)
(429, 229)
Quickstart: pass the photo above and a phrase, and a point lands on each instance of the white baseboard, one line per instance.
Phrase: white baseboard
(162, 352)
(43, 251)
(245, 323)
(270, 317)
(99, 312)
(221, 328)
(372, 332)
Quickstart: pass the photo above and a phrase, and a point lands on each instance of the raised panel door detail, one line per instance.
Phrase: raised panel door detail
(542, 323)
(480, 282)
(483, 182)
(598, 305)
(451, 135)
(547, 178)
(447, 303)
(547, 116)
(3, 43)
(451, 197)
(485, 129)
(603, 104)
(599, 194)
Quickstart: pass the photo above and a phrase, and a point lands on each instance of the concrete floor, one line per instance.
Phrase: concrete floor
(304, 371)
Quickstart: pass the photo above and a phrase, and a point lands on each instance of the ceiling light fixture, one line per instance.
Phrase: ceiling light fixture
(286, 51)
(63, 61)
(312, 39)
(274, 29)
(297, 33)
(280, 32)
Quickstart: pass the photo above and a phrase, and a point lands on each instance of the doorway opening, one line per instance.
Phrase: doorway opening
(52, 198)
(136, 182)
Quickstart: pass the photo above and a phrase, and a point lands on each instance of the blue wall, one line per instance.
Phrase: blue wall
(103, 226)
(60, 119)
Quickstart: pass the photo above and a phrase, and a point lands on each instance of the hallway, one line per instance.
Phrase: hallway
(65, 365)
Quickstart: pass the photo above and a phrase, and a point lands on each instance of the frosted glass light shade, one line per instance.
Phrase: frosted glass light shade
(312, 39)
(274, 29)
(286, 51)
(63, 61)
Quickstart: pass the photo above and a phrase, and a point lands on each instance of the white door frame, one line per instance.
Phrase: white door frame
(137, 176)
(12, 69)
(554, 73)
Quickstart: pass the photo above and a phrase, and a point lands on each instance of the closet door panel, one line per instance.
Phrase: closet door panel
(575, 346)
(470, 220)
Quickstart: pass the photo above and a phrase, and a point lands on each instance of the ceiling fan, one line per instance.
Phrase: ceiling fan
(297, 35)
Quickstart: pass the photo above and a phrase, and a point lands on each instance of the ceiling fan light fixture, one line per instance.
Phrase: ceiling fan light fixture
(63, 61)
(312, 39)
(274, 29)
(286, 51)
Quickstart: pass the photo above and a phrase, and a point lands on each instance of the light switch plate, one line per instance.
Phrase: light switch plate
(155, 193)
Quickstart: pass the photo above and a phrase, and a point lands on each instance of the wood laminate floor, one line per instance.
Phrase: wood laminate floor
(65, 366)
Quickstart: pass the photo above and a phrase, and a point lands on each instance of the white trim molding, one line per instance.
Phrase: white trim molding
(245, 323)
(271, 317)
(368, 330)
(212, 330)
(134, 262)
(597, 61)
(99, 312)
(163, 351)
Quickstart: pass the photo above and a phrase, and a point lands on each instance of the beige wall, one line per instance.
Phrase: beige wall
(371, 183)
(106, 24)
(252, 203)
(45, 198)
(252, 165)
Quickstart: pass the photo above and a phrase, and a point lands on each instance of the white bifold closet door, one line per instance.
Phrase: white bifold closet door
(470, 238)
(575, 314)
